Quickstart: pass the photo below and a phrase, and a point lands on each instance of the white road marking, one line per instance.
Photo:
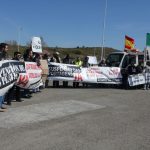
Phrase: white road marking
(43, 111)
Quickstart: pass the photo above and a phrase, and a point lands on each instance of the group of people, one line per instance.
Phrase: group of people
(29, 56)
(68, 60)
(16, 92)
(131, 69)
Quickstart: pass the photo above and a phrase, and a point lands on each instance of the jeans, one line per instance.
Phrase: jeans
(1, 101)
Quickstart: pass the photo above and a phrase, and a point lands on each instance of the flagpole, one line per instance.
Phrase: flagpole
(103, 34)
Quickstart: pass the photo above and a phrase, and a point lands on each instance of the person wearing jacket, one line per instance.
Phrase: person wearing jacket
(3, 51)
(77, 62)
(56, 59)
(3, 56)
(28, 56)
(66, 60)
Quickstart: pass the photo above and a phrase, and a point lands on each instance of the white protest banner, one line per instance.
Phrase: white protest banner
(9, 72)
(60, 71)
(92, 60)
(136, 79)
(107, 75)
(32, 78)
(36, 45)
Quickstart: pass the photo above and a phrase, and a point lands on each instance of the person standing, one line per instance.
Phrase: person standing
(77, 62)
(56, 59)
(37, 58)
(139, 68)
(66, 60)
(3, 56)
(130, 70)
(28, 56)
(102, 63)
(146, 73)
(17, 56)
(85, 65)
(3, 51)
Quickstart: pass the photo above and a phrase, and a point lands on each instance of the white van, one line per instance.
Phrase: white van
(123, 59)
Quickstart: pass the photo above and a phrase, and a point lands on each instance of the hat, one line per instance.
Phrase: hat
(57, 53)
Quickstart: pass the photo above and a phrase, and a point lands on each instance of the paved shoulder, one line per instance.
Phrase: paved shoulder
(44, 111)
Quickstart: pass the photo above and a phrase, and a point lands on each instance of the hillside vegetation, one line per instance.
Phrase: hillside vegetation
(74, 52)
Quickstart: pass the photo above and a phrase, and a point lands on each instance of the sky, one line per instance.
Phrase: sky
(72, 23)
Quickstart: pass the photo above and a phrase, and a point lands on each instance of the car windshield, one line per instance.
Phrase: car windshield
(114, 60)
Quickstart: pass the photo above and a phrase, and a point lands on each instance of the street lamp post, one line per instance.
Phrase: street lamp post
(19, 32)
(103, 34)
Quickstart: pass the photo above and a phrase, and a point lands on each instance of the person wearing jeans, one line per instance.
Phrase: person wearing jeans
(2, 108)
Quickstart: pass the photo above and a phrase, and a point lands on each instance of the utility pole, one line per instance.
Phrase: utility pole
(19, 32)
(103, 34)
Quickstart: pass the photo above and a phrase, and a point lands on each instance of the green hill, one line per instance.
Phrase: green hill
(78, 51)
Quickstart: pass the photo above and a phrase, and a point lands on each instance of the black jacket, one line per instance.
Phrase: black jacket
(3, 55)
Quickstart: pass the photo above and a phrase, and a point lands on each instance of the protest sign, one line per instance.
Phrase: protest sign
(36, 45)
(32, 78)
(9, 72)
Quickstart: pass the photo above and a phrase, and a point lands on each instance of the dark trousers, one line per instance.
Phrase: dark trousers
(55, 83)
(18, 94)
(9, 96)
(75, 84)
(65, 83)
(125, 83)
(85, 84)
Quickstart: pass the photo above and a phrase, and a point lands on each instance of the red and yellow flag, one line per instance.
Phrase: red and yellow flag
(129, 43)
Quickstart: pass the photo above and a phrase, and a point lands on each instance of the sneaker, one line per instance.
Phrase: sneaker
(3, 107)
(2, 110)
(27, 96)
(20, 100)
(8, 104)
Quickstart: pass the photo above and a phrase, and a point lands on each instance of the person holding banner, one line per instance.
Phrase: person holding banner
(16, 89)
(66, 60)
(57, 59)
(139, 68)
(79, 63)
(17, 56)
(3, 56)
(3, 51)
(28, 56)
(124, 73)
(2, 108)
(85, 65)
(147, 76)
(37, 58)
(131, 68)
(102, 63)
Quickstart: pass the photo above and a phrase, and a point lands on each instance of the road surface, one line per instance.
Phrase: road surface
(78, 119)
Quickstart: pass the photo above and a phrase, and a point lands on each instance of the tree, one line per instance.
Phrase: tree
(11, 42)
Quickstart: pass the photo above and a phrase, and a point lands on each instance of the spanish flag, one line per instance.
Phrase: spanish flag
(129, 43)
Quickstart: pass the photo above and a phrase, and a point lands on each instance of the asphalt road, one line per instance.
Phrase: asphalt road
(78, 119)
